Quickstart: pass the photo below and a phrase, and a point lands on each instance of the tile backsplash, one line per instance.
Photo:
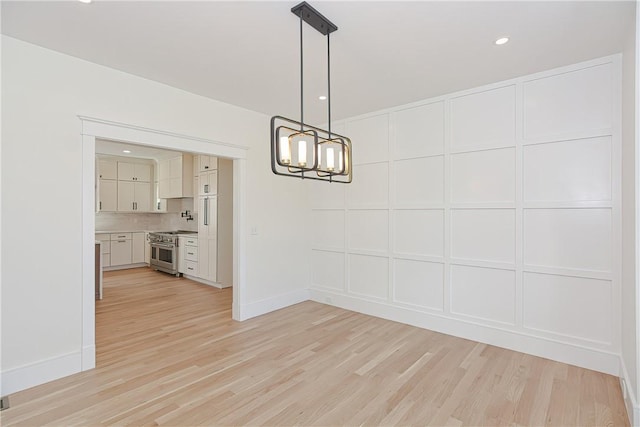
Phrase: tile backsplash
(120, 221)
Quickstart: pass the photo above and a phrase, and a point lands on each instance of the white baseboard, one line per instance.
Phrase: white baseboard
(206, 282)
(590, 358)
(630, 401)
(88, 357)
(24, 377)
(258, 308)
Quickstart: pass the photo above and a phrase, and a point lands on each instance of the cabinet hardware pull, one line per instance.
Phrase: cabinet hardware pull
(100, 205)
(206, 211)
(206, 167)
(206, 188)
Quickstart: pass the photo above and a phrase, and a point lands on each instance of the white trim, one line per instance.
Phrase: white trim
(93, 128)
(140, 135)
(41, 372)
(277, 302)
(573, 354)
(629, 396)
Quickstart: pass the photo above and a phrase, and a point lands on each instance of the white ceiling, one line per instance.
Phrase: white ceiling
(384, 53)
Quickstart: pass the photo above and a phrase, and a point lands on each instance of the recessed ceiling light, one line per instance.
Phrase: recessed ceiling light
(322, 98)
(126, 151)
(502, 40)
(84, 1)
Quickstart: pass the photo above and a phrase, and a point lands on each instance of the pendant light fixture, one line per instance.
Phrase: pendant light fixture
(303, 151)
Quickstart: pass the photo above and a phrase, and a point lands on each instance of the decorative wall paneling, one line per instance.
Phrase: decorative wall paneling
(491, 214)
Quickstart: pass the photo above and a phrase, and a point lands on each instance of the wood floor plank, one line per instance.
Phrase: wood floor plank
(168, 353)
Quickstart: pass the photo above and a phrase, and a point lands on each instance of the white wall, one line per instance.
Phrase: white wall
(491, 214)
(42, 94)
(629, 330)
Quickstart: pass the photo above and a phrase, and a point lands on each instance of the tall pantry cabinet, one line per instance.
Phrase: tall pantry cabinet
(215, 219)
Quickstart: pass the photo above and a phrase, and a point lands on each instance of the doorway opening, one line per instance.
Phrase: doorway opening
(93, 131)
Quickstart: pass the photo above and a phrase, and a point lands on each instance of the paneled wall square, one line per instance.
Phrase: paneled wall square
(371, 137)
(419, 232)
(483, 120)
(368, 230)
(419, 131)
(572, 306)
(370, 186)
(570, 102)
(484, 293)
(327, 269)
(483, 176)
(419, 181)
(369, 275)
(578, 170)
(323, 195)
(328, 229)
(483, 234)
(568, 238)
(419, 283)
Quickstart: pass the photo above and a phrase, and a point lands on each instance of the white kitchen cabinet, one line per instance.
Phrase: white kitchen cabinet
(208, 183)
(138, 244)
(134, 172)
(188, 256)
(108, 195)
(207, 237)
(147, 248)
(121, 252)
(107, 169)
(207, 163)
(134, 196)
(208, 261)
(105, 240)
(175, 177)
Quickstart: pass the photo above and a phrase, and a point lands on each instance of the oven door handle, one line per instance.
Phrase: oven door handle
(163, 246)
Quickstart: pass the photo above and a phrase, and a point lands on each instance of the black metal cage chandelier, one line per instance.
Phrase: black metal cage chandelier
(303, 151)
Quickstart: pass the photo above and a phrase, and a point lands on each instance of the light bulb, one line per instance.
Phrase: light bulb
(330, 160)
(285, 154)
(302, 153)
(340, 161)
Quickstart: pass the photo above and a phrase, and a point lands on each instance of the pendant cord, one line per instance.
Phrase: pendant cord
(301, 79)
(329, 81)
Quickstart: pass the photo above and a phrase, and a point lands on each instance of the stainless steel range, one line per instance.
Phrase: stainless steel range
(164, 250)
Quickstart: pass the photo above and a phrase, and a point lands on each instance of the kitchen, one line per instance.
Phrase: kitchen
(169, 211)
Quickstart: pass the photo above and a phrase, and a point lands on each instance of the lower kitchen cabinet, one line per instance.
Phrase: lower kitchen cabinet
(138, 244)
(123, 249)
(188, 256)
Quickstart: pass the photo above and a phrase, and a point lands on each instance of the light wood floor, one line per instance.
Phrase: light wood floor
(169, 354)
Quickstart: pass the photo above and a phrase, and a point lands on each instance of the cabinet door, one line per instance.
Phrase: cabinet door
(126, 196)
(108, 196)
(120, 252)
(196, 179)
(126, 171)
(203, 163)
(137, 248)
(107, 169)
(142, 172)
(181, 248)
(207, 217)
(207, 258)
(175, 167)
(147, 249)
(208, 183)
(142, 196)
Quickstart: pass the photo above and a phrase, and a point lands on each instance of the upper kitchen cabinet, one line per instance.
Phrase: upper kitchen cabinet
(175, 177)
(134, 196)
(208, 183)
(207, 163)
(107, 169)
(134, 172)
